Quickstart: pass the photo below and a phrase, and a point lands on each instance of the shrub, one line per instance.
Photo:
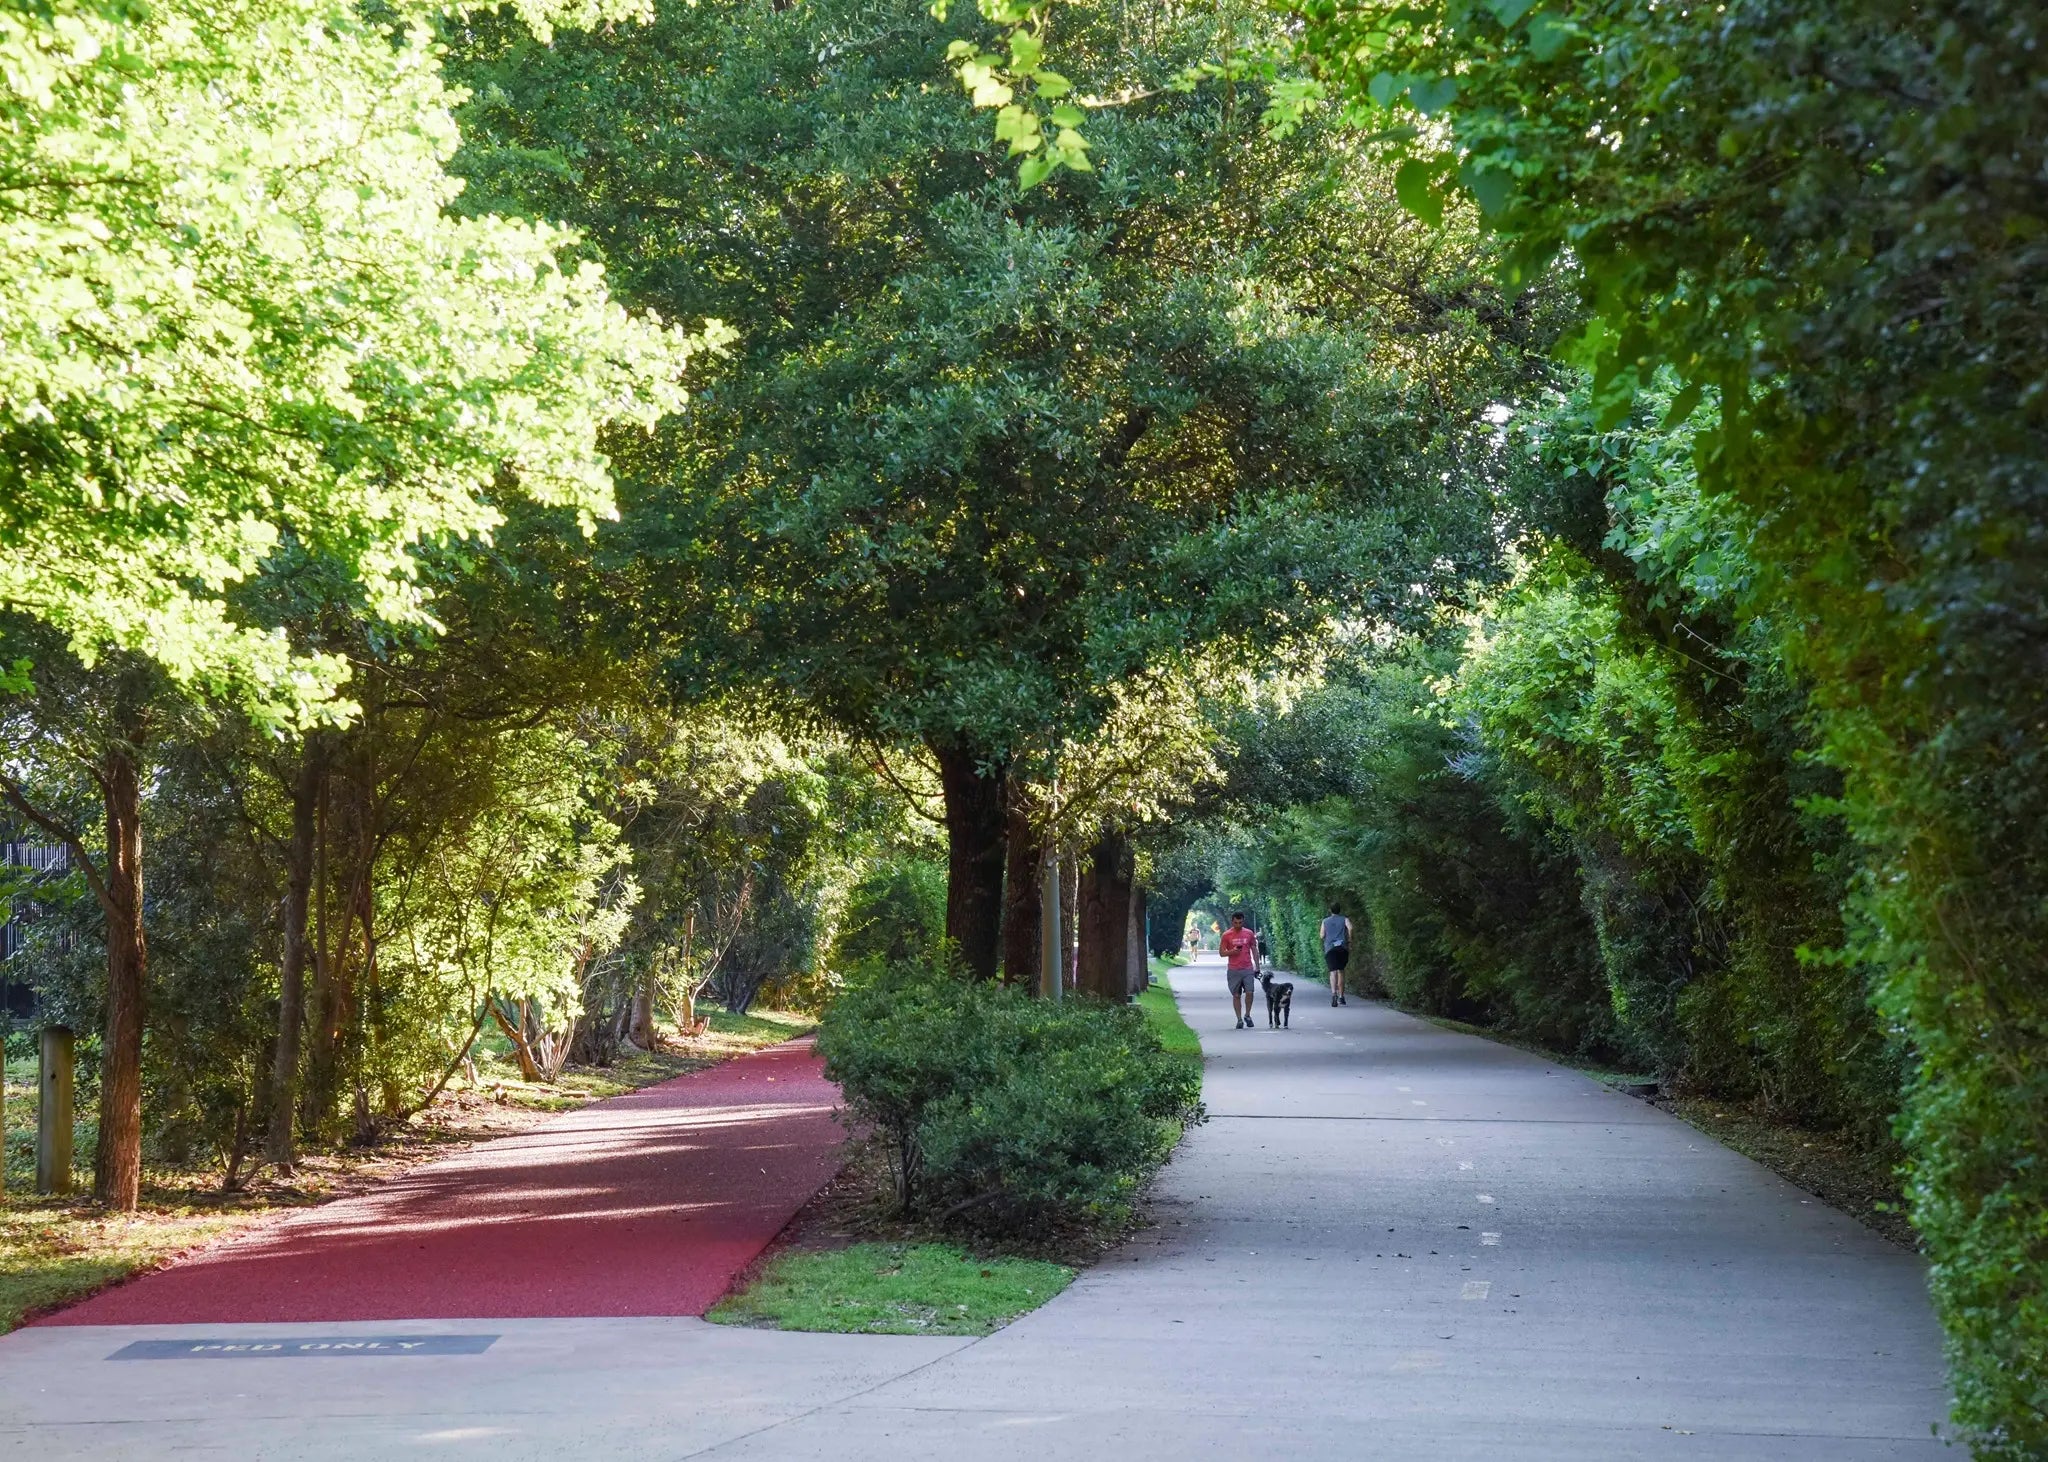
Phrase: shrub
(895, 913)
(1007, 1112)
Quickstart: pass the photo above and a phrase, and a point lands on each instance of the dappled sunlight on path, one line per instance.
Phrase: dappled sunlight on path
(646, 1204)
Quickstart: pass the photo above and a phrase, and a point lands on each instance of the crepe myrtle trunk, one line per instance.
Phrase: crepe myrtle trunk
(1023, 898)
(1106, 919)
(640, 1029)
(117, 1160)
(977, 820)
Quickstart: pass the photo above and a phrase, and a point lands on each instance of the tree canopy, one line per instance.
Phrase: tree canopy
(979, 459)
(240, 315)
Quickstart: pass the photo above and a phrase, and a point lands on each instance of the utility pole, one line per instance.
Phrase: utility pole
(1049, 941)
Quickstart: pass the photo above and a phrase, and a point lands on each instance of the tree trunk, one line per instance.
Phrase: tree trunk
(640, 1030)
(117, 1164)
(1022, 898)
(514, 1027)
(372, 1054)
(1106, 919)
(291, 978)
(322, 1084)
(975, 846)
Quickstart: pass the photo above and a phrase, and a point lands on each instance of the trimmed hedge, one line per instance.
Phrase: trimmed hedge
(1007, 1112)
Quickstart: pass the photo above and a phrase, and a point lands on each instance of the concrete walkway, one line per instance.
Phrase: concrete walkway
(1390, 1241)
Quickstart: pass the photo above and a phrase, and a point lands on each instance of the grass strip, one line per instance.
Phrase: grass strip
(893, 1289)
(1167, 1023)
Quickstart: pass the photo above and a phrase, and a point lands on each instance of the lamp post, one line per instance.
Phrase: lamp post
(1049, 981)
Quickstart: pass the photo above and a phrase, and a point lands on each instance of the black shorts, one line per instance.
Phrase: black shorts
(1337, 956)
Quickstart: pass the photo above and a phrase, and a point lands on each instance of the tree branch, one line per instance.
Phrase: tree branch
(918, 803)
(65, 835)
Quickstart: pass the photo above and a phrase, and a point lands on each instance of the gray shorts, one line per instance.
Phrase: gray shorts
(1241, 981)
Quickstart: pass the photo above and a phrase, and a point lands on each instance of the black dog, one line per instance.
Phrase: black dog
(1279, 1001)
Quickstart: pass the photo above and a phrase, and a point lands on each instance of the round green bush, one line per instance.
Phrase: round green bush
(1007, 1112)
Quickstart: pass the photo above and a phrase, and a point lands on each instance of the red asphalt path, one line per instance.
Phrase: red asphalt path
(644, 1204)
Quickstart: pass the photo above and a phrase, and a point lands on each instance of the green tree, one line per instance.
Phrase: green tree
(239, 310)
(982, 458)
(241, 321)
(76, 741)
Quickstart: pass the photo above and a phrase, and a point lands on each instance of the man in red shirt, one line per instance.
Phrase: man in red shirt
(1240, 967)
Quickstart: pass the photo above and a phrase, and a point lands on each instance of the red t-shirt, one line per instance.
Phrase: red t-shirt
(1237, 946)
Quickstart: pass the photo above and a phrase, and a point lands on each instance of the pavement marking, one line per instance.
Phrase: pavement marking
(1475, 1289)
(1464, 1167)
(1486, 1198)
(207, 1348)
(1489, 1238)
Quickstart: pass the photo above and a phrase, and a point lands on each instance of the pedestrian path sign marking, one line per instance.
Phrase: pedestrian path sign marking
(266, 1347)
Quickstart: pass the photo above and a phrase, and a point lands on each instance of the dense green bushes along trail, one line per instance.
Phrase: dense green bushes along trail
(1007, 1112)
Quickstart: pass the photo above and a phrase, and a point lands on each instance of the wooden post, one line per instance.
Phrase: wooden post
(53, 1113)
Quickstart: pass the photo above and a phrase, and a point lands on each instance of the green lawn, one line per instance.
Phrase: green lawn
(1157, 1002)
(893, 1289)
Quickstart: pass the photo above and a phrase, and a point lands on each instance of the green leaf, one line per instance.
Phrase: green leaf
(1066, 114)
(979, 79)
(1034, 170)
(1415, 185)
(1050, 84)
(1431, 97)
(1548, 35)
(1491, 187)
(1683, 404)
(1507, 12)
(1019, 128)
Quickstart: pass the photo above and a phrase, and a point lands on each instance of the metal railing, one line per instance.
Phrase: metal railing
(36, 857)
